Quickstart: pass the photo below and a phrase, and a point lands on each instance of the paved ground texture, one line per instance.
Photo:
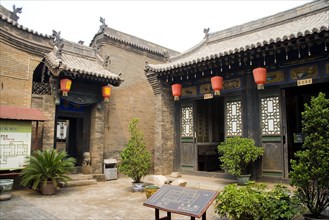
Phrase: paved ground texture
(107, 200)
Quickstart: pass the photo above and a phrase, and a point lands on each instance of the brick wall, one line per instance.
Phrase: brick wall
(164, 132)
(97, 140)
(16, 75)
(134, 98)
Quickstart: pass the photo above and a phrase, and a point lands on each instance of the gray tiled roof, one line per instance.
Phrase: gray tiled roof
(138, 42)
(83, 62)
(265, 31)
(75, 57)
(14, 23)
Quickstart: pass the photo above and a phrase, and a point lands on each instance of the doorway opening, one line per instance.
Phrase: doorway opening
(73, 131)
(209, 133)
(69, 137)
(296, 97)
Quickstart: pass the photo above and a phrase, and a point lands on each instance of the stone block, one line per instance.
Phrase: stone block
(179, 182)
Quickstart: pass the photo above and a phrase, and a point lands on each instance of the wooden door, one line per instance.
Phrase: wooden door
(187, 138)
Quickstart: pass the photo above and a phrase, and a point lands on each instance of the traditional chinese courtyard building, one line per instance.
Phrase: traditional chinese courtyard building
(291, 47)
(75, 89)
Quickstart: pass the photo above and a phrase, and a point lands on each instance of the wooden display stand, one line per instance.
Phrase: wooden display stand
(181, 200)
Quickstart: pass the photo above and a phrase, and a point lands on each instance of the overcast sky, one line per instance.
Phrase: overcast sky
(177, 25)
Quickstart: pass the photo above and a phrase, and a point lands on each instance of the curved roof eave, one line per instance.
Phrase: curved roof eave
(294, 28)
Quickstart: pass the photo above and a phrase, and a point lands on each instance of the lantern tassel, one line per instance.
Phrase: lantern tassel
(260, 86)
(217, 92)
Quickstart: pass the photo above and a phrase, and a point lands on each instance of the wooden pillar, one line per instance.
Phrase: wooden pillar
(251, 114)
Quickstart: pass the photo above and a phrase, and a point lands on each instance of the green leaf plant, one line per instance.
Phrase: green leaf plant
(256, 201)
(135, 157)
(237, 154)
(47, 165)
(310, 170)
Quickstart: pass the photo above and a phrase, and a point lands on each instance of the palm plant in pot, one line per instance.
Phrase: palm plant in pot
(135, 157)
(236, 154)
(46, 169)
(310, 170)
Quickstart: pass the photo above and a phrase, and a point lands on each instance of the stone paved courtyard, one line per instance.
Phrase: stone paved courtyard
(107, 200)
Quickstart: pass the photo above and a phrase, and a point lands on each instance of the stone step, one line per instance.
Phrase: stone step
(78, 183)
(75, 177)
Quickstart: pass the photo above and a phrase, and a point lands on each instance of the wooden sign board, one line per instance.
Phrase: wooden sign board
(181, 200)
(208, 96)
(303, 82)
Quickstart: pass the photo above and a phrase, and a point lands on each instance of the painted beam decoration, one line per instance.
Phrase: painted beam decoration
(274, 77)
(15, 143)
(304, 72)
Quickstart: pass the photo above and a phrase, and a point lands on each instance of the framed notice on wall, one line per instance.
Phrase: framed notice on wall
(15, 143)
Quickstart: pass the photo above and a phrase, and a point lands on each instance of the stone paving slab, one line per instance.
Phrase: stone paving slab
(107, 200)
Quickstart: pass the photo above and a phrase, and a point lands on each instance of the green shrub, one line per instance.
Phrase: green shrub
(255, 201)
(237, 202)
(237, 153)
(279, 204)
(135, 158)
(311, 168)
(47, 165)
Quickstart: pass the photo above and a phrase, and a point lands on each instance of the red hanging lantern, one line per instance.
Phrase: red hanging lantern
(260, 77)
(65, 86)
(176, 91)
(106, 92)
(217, 84)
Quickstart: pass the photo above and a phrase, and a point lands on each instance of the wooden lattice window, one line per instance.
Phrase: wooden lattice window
(187, 122)
(270, 109)
(234, 119)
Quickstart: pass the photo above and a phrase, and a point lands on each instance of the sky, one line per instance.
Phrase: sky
(177, 25)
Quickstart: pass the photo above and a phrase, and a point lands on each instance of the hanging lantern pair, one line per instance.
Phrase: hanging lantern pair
(106, 93)
(260, 77)
(65, 85)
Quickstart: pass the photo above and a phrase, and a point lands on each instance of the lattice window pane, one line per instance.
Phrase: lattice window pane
(187, 122)
(234, 119)
(40, 88)
(270, 108)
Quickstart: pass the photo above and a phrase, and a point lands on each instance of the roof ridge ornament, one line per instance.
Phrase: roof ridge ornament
(59, 43)
(103, 26)
(106, 61)
(206, 32)
(13, 14)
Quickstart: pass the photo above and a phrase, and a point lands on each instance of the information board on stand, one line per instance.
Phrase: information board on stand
(181, 200)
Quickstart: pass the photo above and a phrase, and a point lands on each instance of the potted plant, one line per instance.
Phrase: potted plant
(236, 154)
(310, 170)
(5, 187)
(45, 169)
(135, 157)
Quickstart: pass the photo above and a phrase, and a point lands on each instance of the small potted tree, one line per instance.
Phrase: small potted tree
(46, 169)
(236, 154)
(310, 170)
(135, 157)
